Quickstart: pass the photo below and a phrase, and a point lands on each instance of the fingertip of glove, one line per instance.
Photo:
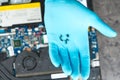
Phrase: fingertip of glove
(67, 72)
(54, 56)
(55, 62)
(84, 76)
(113, 34)
(56, 65)
(75, 77)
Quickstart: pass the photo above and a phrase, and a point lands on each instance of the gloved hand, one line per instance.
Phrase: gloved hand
(67, 23)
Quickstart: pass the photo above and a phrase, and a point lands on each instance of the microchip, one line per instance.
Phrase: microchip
(17, 43)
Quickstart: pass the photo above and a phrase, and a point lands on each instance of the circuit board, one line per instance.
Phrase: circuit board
(95, 73)
(15, 40)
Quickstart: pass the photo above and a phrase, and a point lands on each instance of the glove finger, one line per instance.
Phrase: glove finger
(54, 55)
(85, 63)
(83, 47)
(75, 62)
(103, 27)
(66, 66)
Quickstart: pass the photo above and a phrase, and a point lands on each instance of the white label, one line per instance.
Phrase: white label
(41, 46)
(11, 50)
(95, 63)
(59, 75)
(45, 39)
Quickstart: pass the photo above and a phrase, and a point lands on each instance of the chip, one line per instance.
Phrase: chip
(17, 43)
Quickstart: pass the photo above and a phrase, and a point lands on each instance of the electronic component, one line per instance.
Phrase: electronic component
(21, 32)
(17, 43)
(95, 62)
(16, 39)
(94, 48)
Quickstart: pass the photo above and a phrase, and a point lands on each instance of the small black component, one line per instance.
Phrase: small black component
(17, 43)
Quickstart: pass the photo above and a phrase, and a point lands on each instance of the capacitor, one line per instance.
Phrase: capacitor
(36, 29)
(3, 50)
(29, 33)
(29, 30)
(40, 26)
(18, 51)
(9, 37)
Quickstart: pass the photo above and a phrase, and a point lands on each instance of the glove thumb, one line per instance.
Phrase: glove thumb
(105, 29)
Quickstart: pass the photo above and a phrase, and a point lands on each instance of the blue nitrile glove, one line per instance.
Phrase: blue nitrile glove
(67, 23)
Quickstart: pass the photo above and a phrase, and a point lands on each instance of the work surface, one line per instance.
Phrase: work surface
(109, 49)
